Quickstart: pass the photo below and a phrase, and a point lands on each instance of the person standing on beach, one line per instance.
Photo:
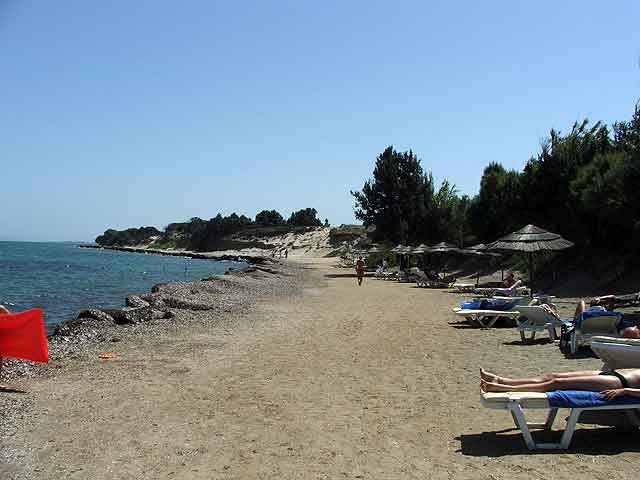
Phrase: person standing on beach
(360, 270)
(286, 253)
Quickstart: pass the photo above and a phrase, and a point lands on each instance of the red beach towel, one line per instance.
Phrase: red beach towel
(22, 336)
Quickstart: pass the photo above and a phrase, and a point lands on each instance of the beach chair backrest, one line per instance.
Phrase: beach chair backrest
(515, 286)
(600, 325)
(535, 314)
(617, 352)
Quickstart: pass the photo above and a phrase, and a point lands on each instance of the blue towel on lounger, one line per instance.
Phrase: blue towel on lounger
(597, 312)
(489, 304)
(585, 399)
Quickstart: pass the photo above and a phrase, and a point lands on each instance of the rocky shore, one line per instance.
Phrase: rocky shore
(168, 305)
(234, 257)
(216, 303)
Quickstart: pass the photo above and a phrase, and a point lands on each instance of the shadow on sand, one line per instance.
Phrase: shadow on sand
(8, 389)
(464, 325)
(589, 441)
(530, 343)
(341, 275)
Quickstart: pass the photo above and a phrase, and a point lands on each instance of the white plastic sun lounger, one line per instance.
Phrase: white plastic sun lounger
(464, 287)
(535, 319)
(517, 402)
(485, 318)
(617, 352)
(516, 289)
(605, 325)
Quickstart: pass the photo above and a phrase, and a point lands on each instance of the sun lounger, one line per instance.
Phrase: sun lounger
(590, 325)
(485, 318)
(385, 274)
(516, 289)
(534, 319)
(617, 352)
(425, 281)
(517, 402)
(616, 301)
(464, 287)
(433, 284)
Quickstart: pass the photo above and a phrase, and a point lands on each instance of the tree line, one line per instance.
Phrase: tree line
(203, 235)
(583, 184)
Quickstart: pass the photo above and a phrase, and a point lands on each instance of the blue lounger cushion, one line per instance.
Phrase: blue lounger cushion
(596, 312)
(489, 304)
(585, 399)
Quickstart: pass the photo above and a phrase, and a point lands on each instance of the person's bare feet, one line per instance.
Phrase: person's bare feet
(494, 387)
(488, 376)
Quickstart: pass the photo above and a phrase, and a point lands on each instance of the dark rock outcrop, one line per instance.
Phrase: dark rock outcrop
(182, 304)
(135, 301)
(81, 327)
(158, 287)
(130, 315)
(95, 314)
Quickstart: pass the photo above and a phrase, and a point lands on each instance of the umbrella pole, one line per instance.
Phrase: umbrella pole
(531, 271)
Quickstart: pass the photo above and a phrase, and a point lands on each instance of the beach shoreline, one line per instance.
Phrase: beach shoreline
(235, 256)
(317, 378)
(145, 311)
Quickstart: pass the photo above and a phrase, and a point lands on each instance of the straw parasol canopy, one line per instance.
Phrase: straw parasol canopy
(401, 249)
(530, 239)
(420, 249)
(443, 247)
(481, 250)
(376, 249)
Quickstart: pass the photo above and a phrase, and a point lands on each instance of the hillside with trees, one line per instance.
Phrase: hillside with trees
(217, 233)
(582, 184)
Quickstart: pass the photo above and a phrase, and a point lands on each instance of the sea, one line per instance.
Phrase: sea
(62, 278)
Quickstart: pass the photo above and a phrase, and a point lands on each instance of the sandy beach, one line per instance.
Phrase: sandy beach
(328, 381)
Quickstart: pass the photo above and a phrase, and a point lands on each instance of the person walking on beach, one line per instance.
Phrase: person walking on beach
(360, 270)
(286, 253)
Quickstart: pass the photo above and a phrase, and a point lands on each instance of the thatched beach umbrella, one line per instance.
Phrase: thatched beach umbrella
(443, 248)
(480, 250)
(376, 249)
(530, 239)
(400, 251)
(419, 250)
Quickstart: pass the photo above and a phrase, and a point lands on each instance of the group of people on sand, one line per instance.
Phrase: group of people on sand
(611, 383)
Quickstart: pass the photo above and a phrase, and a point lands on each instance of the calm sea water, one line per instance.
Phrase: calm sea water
(63, 279)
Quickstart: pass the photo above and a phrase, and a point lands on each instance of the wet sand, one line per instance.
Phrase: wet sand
(379, 381)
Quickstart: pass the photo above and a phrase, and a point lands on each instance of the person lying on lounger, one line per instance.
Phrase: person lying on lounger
(611, 383)
(509, 280)
(630, 332)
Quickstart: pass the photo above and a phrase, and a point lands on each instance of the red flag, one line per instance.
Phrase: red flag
(22, 336)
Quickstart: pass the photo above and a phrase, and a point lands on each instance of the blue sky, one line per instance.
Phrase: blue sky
(121, 113)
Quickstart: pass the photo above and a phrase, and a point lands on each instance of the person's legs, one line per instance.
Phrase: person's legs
(492, 378)
(594, 383)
